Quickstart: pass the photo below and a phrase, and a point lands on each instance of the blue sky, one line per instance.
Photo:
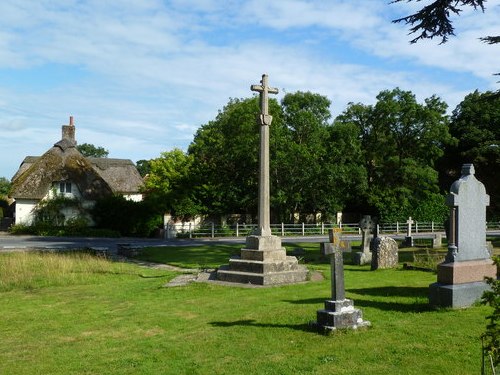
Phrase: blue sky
(140, 77)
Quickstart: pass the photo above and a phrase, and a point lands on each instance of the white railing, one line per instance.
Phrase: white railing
(212, 230)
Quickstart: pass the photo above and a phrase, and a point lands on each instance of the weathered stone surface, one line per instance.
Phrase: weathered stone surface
(437, 241)
(340, 315)
(456, 295)
(360, 258)
(263, 261)
(298, 274)
(385, 253)
(339, 312)
(460, 280)
(466, 272)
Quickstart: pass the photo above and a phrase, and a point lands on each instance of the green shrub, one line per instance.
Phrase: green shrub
(491, 337)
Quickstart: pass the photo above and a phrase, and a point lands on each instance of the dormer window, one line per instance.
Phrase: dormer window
(64, 187)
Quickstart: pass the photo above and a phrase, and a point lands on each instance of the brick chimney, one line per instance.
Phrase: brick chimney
(68, 131)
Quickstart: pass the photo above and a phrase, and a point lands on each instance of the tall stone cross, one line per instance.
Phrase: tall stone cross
(264, 119)
(337, 264)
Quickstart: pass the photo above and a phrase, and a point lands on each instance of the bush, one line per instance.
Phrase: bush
(491, 337)
(127, 217)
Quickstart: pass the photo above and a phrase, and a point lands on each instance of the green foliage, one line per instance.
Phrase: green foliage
(475, 124)
(491, 337)
(433, 20)
(89, 150)
(127, 217)
(143, 167)
(225, 158)
(50, 212)
(300, 181)
(401, 141)
(4, 186)
(169, 184)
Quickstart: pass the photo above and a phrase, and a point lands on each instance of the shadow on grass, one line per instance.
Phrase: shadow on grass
(390, 301)
(204, 256)
(252, 323)
(392, 291)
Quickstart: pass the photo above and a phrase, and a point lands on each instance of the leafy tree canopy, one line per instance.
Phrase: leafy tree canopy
(168, 183)
(4, 186)
(89, 150)
(401, 141)
(475, 123)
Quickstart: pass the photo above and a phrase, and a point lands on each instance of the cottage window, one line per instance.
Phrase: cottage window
(65, 187)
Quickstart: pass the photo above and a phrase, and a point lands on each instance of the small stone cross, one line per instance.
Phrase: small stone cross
(264, 90)
(366, 223)
(409, 222)
(337, 264)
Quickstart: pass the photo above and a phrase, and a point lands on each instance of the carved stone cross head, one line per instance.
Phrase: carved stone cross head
(264, 90)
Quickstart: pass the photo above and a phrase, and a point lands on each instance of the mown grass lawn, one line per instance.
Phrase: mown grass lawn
(120, 319)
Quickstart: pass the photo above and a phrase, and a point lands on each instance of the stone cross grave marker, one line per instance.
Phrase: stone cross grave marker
(367, 225)
(339, 312)
(337, 263)
(409, 239)
(264, 120)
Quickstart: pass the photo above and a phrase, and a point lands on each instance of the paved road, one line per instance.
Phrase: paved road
(9, 242)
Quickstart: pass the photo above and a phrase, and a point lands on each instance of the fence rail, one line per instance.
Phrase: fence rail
(210, 230)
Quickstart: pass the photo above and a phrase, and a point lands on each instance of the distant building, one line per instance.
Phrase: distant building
(64, 171)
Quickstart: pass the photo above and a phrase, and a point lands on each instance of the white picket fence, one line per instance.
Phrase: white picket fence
(211, 230)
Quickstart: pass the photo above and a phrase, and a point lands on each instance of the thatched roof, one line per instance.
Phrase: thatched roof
(95, 177)
(120, 174)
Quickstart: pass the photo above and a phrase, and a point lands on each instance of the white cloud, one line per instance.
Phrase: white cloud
(140, 77)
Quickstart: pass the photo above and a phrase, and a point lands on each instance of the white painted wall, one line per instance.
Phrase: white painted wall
(24, 211)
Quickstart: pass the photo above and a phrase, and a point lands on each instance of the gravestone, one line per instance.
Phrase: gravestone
(384, 253)
(366, 225)
(408, 241)
(460, 280)
(339, 312)
(437, 241)
(263, 261)
(326, 248)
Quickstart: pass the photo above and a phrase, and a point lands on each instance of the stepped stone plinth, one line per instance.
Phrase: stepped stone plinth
(263, 262)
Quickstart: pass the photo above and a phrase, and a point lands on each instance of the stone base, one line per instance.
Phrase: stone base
(360, 258)
(408, 242)
(340, 315)
(456, 296)
(461, 284)
(466, 272)
(263, 262)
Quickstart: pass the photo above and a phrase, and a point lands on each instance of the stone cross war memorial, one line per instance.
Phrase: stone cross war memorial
(263, 261)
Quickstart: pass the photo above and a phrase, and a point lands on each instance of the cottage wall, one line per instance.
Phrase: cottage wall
(24, 211)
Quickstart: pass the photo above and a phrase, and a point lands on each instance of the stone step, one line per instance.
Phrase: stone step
(255, 266)
(271, 278)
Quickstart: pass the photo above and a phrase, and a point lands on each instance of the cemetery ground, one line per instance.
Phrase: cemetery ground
(75, 313)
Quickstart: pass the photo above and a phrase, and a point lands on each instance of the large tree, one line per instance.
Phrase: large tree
(89, 150)
(4, 186)
(168, 184)
(302, 184)
(225, 154)
(475, 123)
(401, 140)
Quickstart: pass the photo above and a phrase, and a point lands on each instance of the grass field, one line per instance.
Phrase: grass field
(93, 316)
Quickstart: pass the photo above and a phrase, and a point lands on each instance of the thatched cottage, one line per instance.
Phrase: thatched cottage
(64, 171)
